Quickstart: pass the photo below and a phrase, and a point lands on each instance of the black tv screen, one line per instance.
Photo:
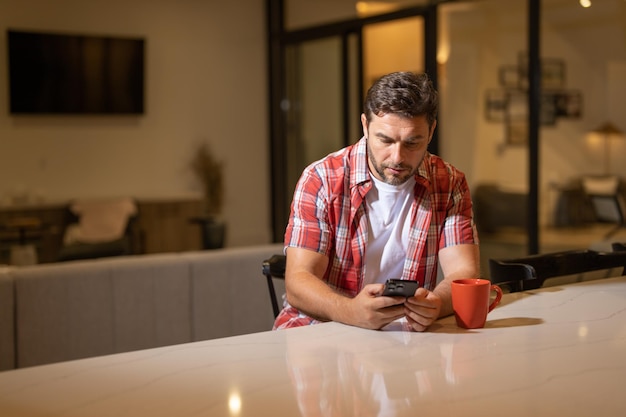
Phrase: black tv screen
(51, 73)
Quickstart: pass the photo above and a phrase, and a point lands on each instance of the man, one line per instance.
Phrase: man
(381, 208)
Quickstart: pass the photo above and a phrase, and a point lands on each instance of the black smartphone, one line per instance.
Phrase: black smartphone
(400, 288)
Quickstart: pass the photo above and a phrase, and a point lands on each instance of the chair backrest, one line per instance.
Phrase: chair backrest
(618, 246)
(100, 220)
(608, 208)
(604, 185)
(607, 201)
(274, 267)
(530, 272)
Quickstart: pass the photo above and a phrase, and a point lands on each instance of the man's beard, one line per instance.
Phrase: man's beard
(391, 179)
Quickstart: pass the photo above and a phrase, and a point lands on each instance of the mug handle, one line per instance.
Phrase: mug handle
(495, 302)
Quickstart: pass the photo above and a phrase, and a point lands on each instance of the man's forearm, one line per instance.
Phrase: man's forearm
(315, 298)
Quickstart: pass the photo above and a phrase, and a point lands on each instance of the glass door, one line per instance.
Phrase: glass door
(483, 118)
(325, 79)
(397, 45)
(313, 103)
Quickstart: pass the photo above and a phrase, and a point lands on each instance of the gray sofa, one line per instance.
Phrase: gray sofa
(64, 311)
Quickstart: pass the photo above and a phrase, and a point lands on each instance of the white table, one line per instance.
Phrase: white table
(558, 351)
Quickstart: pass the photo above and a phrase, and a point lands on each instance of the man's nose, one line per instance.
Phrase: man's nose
(397, 153)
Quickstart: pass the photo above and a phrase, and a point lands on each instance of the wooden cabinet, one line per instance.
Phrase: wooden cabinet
(166, 226)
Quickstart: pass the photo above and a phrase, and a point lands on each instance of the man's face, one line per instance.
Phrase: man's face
(396, 145)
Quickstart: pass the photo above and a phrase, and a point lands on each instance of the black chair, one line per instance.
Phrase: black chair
(274, 267)
(618, 246)
(610, 209)
(122, 213)
(530, 272)
(607, 201)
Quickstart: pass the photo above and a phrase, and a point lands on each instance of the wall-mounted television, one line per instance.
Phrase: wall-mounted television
(55, 73)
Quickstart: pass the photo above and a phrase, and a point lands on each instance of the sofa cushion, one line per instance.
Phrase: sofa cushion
(63, 312)
(152, 301)
(230, 295)
(89, 308)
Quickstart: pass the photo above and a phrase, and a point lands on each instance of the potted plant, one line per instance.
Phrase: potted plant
(209, 172)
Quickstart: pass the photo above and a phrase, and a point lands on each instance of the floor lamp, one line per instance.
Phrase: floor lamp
(607, 130)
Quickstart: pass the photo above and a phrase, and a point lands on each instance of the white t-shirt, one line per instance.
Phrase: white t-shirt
(388, 209)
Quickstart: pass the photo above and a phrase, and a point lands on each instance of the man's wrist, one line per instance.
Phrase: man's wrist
(444, 293)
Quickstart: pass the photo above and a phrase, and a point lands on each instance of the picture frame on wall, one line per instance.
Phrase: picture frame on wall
(495, 105)
(516, 123)
(516, 105)
(568, 104)
(517, 132)
(508, 103)
(509, 76)
(552, 72)
(547, 109)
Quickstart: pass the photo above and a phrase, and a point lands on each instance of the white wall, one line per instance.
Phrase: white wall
(206, 81)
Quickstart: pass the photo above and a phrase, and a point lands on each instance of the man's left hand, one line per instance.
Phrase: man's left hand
(422, 309)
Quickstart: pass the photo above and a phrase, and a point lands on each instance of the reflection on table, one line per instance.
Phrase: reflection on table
(554, 351)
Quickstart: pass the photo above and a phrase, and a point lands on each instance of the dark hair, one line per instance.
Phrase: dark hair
(404, 93)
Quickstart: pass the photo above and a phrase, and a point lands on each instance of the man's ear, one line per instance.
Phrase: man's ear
(364, 124)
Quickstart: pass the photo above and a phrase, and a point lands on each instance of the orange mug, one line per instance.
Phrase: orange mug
(470, 301)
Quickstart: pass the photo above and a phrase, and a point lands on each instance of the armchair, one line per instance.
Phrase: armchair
(608, 202)
(100, 228)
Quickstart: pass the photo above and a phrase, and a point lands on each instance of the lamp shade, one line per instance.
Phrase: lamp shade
(608, 128)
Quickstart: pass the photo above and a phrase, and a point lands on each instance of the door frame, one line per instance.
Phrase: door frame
(279, 39)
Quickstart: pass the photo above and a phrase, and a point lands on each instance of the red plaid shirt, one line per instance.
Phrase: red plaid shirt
(329, 216)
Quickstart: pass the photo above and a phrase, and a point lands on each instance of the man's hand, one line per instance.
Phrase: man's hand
(370, 311)
(422, 309)
(307, 292)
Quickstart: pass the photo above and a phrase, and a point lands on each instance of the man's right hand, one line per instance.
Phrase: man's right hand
(370, 310)
(309, 294)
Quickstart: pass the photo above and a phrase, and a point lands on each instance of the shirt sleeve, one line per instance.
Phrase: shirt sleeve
(308, 226)
(459, 227)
